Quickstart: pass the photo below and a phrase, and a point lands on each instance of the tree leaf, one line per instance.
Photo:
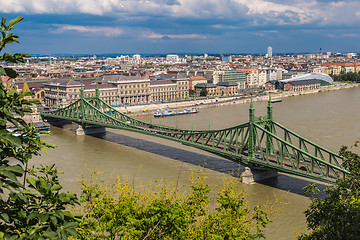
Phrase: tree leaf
(15, 21)
(72, 232)
(32, 181)
(56, 187)
(32, 216)
(70, 225)
(2, 71)
(50, 234)
(5, 217)
(11, 73)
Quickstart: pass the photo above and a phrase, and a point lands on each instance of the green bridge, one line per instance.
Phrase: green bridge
(260, 144)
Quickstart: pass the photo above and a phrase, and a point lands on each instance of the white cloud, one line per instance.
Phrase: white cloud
(351, 35)
(251, 11)
(153, 35)
(222, 26)
(106, 31)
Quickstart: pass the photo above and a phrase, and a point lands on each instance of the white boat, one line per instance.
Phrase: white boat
(165, 113)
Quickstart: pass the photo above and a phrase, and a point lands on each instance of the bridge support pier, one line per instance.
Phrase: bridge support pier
(249, 176)
(81, 130)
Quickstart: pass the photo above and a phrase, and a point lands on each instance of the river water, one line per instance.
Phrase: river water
(330, 119)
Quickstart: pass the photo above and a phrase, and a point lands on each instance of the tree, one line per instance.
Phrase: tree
(337, 216)
(118, 210)
(31, 204)
(203, 92)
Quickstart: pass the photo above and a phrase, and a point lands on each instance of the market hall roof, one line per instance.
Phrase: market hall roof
(318, 76)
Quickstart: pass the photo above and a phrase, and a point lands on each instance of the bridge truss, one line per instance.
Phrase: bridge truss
(261, 143)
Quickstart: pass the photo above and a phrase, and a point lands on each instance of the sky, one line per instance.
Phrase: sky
(184, 26)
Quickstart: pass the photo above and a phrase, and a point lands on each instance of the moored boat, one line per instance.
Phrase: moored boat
(276, 100)
(42, 126)
(165, 113)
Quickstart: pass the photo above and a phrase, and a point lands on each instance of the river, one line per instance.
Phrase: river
(329, 119)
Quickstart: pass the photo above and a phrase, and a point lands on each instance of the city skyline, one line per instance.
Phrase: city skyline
(183, 26)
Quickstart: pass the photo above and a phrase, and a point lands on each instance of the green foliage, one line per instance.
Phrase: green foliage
(119, 211)
(35, 210)
(337, 216)
(192, 92)
(347, 77)
(203, 92)
(38, 210)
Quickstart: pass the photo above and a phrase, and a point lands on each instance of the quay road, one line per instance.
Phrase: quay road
(244, 97)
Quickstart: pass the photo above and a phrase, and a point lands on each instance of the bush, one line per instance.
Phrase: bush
(120, 211)
(337, 216)
(31, 204)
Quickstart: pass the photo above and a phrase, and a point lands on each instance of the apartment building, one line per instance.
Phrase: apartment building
(182, 83)
(236, 76)
(195, 80)
(130, 89)
(252, 77)
(163, 90)
(344, 67)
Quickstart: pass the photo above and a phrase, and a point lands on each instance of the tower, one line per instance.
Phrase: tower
(269, 52)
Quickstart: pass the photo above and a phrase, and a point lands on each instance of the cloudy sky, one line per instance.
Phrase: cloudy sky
(184, 26)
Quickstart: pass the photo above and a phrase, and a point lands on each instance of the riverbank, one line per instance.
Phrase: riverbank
(216, 101)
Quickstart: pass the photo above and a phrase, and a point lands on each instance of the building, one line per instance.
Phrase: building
(344, 67)
(230, 76)
(219, 89)
(171, 58)
(323, 78)
(262, 78)
(226, 58)
(195, 80)
(269, 52)
(301, 85)
(163, 90)
(227, 88)
(62, 92)
(136, 58)
(113, 89)
(252, 77)
(182, 83)
(210, 88)
(130, 89)
(36, 89)
(271, 85)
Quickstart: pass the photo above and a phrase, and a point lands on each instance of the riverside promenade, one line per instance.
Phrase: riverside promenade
(217, 101)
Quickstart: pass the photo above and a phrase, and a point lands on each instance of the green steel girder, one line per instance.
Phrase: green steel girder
(255, 143)
(302, 156)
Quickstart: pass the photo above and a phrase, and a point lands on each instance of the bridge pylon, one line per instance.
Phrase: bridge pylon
(251, 139)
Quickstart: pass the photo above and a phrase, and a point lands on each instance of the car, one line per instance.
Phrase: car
(258, 156)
